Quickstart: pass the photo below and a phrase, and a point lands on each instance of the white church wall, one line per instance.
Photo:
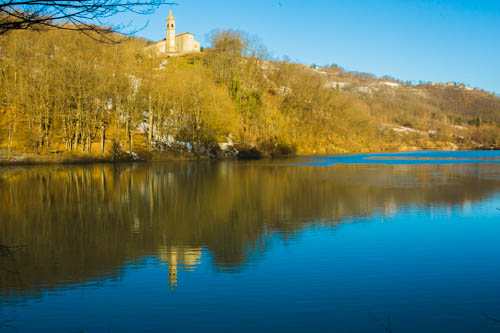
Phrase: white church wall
(174, 45)
(185, 43)
(159, 47)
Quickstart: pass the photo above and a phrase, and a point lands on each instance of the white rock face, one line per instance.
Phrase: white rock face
(390, 84)
(335, 84)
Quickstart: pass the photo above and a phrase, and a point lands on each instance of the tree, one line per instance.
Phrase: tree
(86, 16)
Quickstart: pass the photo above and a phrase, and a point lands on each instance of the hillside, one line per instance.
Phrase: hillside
(65, 97)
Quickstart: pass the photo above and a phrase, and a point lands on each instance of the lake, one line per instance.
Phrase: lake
(404, 242)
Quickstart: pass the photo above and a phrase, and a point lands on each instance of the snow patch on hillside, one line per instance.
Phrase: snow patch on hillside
(390, 84)
(403, 129)
(336, 85)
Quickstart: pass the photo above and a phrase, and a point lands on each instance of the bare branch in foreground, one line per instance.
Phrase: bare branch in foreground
(386, 326)
(87, 16)
(490, 318)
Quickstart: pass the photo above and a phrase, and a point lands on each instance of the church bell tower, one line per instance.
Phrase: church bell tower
(171, 33)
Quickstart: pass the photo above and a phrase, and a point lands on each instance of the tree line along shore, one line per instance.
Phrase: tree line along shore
(66, 98)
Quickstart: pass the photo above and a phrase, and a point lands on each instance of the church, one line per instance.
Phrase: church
(174, 45)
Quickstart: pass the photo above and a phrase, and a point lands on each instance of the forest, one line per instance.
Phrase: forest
(67, 97)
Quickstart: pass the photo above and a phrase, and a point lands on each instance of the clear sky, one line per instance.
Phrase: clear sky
(428, 40)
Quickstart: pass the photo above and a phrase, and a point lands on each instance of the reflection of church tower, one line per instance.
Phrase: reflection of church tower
(172, 268)
(170, 47)
(179, 258)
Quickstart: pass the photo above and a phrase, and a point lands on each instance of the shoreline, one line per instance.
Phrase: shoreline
(85, 160)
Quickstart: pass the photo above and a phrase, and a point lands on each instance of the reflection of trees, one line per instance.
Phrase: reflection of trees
(83, 223)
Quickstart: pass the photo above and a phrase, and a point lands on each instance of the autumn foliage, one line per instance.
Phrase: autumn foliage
(64, 95)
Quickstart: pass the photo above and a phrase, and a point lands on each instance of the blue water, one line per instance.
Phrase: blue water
(418, 157)
(257, 246)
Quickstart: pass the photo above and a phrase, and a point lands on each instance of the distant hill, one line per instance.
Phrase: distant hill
(458, 99)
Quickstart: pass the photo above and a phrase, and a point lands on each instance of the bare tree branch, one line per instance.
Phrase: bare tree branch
(386, 326)
(9, 250)
(6, 324)
(490, 318)
(86, 16)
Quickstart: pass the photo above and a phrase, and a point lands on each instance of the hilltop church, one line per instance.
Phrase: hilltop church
(174, 45)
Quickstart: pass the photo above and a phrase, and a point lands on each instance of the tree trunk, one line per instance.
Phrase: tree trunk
(129, 133)
(47, 127)
(150, 130)
(89, 143)
(82, 138)
(103, 137)
(10, 137)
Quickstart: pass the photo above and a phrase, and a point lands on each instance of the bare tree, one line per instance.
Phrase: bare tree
(86, 16)
(494, 320)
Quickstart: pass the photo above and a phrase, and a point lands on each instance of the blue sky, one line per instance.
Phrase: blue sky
(428, 40)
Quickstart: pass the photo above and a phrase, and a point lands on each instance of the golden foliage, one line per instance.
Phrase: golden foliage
(66, 94)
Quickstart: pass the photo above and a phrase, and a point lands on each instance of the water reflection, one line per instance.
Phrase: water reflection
(409, 158)
(179, 258)
(85, 223)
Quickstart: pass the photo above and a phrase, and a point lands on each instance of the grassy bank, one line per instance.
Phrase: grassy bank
(147, 156)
